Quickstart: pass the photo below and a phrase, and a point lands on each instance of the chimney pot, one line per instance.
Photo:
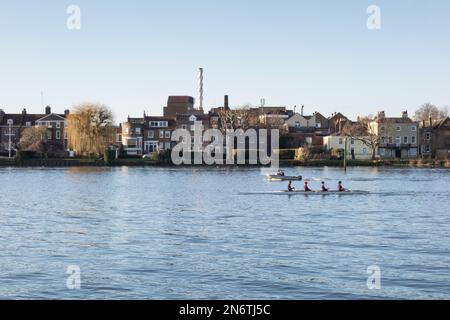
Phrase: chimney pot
(24, 111)
(48, 110)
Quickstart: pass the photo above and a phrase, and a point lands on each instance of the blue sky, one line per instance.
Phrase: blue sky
(131, 55)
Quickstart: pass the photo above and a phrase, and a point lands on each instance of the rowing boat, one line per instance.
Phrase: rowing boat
(284, 178)
(297, 192)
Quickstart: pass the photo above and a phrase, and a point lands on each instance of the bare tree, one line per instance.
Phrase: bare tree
(365, 132)
(430, 111)
(88, 129)
(232, 119)
(32, 136)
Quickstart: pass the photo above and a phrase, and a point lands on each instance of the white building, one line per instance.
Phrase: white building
(356, 149)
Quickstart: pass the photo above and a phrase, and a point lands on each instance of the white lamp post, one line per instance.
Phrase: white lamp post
(10, 134)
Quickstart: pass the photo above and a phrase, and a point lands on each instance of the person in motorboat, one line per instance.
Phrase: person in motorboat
(290, 187)
(341, 187)
(307, 189)
(324, 188)
(280, 173)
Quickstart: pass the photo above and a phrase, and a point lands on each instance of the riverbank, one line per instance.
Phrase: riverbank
(136, 162)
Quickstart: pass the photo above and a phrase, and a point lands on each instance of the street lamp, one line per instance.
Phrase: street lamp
(10, 134)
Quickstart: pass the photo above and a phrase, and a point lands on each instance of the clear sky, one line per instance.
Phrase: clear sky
(131, 55)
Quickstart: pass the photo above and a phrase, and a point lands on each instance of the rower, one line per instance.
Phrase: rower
(341, 187)
(307, 189)
(324, 188)
(290, 188)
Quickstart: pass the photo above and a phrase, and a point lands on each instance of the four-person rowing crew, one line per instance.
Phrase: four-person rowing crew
(323, 189)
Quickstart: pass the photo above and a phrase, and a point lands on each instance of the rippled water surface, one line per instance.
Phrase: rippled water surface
(146, 233)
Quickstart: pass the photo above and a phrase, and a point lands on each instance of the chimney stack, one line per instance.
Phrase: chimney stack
(303, 108)
(226, 103)
(48, 110)
(66, 113)
(24, 111)
(200, 91)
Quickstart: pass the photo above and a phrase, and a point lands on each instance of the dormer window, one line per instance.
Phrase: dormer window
(159, 124)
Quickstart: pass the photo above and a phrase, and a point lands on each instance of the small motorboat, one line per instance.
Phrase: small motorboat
(277, 177)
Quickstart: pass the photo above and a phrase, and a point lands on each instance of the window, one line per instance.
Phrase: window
(405, 140)
(151, 134)
(391, 140)
(159, 124)
(398, 140)
(161, 146)
(318, 125)
(138, 130)
(341, 141)
(382, 152)
(58, 135)
(161, 134)
(297, 124)
(167, 135)
(118, 137)
(364, 150)
(399, 128)
(132, 143)
(58, 125)
(427, 148)
(167, 145)
(428, 136)
(352, 141)
(184, 126)
(413, 128)
(49, 135)
(413, 139)
(382, 128)
(383, 140)
(48, 124)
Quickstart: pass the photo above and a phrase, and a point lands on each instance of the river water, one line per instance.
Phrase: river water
(146, 233)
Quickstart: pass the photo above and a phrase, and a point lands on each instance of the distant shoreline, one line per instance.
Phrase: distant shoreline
(415, 163)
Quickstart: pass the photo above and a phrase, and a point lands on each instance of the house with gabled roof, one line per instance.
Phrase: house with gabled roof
(15, 124)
